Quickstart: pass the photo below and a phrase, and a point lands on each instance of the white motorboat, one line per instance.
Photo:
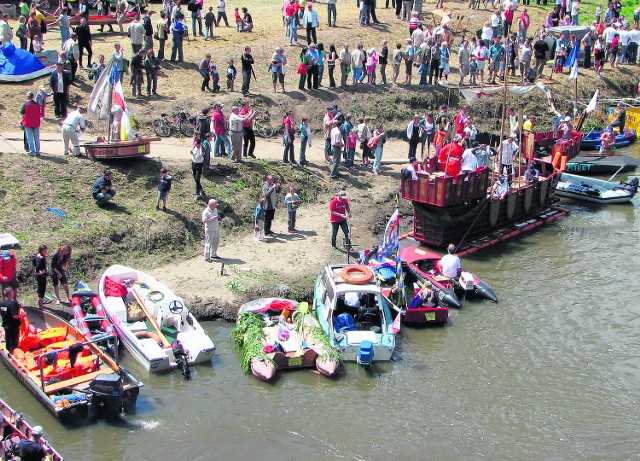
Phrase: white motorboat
(354, 314)
(595, 190)
(152, 322)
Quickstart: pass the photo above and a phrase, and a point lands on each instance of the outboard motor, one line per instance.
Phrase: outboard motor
(181, 357)
(365, 353)
(107, 391)
(466, 281)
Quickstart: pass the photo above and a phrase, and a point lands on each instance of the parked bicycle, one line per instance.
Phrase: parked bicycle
(182, 123)
(263, 128)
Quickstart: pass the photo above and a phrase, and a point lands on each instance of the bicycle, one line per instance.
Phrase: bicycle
(182, 122)
(263, 128)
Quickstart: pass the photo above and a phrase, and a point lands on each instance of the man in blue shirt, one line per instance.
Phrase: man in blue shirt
(312, 67)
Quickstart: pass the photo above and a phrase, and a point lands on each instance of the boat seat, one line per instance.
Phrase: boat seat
(137, 326)
(117, 307)
(55, 387)
(151, 348)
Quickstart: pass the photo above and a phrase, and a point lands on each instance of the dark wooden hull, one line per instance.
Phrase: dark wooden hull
(136, 148)
(441, 226)
(604, 165)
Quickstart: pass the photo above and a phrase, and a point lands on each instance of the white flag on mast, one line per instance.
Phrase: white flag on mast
(594, 102)
(99, 104)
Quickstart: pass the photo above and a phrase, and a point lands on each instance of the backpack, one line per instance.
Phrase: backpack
(203, 125)
(191, 6)
(372, 142)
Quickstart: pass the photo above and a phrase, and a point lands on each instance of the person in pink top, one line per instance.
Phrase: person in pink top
(218, 126)
(249, 136)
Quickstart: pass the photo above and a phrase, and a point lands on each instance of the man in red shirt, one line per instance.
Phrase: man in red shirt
(218, 125)
(461, 120)
(31, 123)
(9, 271)
(340, 211)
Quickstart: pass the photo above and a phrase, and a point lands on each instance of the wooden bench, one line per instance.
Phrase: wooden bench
(55, 387)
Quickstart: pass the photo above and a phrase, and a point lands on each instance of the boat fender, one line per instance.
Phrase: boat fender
(356, 274)
(556, 160)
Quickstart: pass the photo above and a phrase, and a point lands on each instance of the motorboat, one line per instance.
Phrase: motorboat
(71, 376)
(596, 190)
(354, 313)
(152, 322)
(424, 264)
(280, 334)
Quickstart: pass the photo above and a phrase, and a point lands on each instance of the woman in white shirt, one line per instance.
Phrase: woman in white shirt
(487, 33)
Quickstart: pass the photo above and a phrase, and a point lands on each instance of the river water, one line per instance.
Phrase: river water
(551, 372)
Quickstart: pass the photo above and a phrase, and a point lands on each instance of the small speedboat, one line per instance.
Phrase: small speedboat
(152, 322)
(67, 373)
(424, 265)
(280, 334)
(354, 313)
(596, 190)
(591, 141)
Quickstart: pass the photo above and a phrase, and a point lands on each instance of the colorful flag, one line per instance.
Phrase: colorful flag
(99, 104)
(574, 71)
(390, 239)
(126, 126)
(573, 56)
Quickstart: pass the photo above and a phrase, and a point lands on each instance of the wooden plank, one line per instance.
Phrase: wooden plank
(151, 318)
(52, 388)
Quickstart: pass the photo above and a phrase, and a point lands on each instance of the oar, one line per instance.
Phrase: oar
(614, 174)
(152, 319)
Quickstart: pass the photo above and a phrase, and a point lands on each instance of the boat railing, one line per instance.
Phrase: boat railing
(54, 354)
(568, 148)
(440, 190)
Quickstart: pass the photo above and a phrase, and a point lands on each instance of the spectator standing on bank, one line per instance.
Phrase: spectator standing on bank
(152, 67)
(339, 213)
(292, 200)
(177, 36)
(235, 127)
(197, 167)
(305, 139)
(71, 126)
(288, 155)
(222, 14)
(31, 123)
(337, 143)
(40, 269)
(247, 69)
(211, 230)
(209, 22)
(136, 34)
(270, 191)
(249, 136)
(147, 25)
(162, 29)
(310, 21)
(59, 270)
(258, 217)
(219, 128)
(164, 187)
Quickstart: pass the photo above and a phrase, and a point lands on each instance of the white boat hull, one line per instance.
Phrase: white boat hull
(146, 350)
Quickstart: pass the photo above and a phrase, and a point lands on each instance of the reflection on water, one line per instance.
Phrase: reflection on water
(551, 372)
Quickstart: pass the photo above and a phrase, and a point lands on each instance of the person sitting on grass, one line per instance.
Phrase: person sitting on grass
(102, 188)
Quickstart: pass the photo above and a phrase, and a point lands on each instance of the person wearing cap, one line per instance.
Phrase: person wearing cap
(500, 188)
(8, 270)
(102, 190)
(270, 190)
(508, 150)
(310, 21)
(11, 317)
(71, 126)
(531, 175)
(31, 123)
(236, 121)
(339, 212)
(218, 126)
(32, 450)
(211, 230)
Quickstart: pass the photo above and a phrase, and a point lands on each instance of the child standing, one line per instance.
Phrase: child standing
(302, 69)
(599, 13)
(238, 19)
(352, 142)
(21, 33)
(41, 99)
(292, 200)
(215, 79)
(473, 70)
(206, 150)
(258, 218)
(305, 140)
(164, 187)
(231, 75)
(209, 22)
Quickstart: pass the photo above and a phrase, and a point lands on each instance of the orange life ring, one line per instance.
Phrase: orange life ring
(148, 334)
(356, 274)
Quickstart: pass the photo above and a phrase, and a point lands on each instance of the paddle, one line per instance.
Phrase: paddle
(152, 319)
(614, 174)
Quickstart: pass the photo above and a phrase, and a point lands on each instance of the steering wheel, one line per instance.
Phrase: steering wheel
(176, 306)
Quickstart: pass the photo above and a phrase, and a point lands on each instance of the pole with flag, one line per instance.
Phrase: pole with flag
(572, 63)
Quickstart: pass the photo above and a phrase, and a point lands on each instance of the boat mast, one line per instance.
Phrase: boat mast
(504, 103)
(110, 118)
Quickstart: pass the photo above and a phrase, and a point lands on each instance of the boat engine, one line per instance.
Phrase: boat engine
(181, 357)
(107, 393)
(365, 353)
(466, 281)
